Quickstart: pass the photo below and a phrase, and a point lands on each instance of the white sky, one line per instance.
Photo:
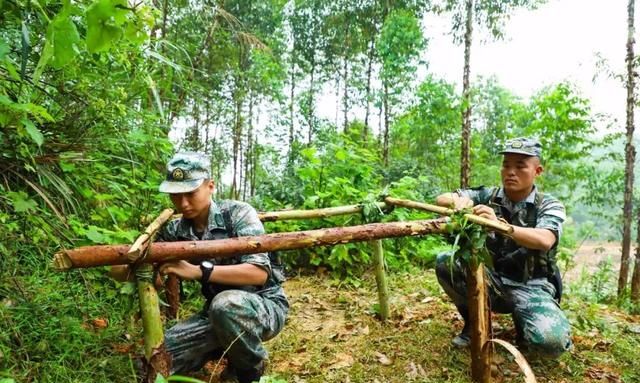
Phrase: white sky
(559, 41)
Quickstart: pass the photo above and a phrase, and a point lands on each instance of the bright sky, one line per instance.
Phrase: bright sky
(559, 41)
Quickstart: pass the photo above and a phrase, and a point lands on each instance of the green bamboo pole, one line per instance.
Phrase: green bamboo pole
(283, 215)
(156, 356)
(381, 279)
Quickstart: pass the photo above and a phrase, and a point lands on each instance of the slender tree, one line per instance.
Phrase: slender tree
(630, 155)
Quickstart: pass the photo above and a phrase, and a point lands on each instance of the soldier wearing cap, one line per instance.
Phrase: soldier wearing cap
(525, 281)
(245, 303)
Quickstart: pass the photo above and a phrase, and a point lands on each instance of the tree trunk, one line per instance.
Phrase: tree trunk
(365, 130)
(385, 139)
(92, 256)
(345, 98)
(465, 166)
(629, 169)
(248, 154)
(292, 131)
(311, 106)
(237, 131)
(480, 320)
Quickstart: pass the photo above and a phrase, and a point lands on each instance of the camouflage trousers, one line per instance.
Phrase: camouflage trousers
(234, 319)
(540, 323)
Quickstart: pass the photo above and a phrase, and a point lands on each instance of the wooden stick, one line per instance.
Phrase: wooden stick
(498, 226)
(140, 245)
(92, 256)
(316, 213)
(381, 279)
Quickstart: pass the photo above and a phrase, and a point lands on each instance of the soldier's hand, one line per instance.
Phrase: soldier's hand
(182, 269)
(485, 211)
(460, 202)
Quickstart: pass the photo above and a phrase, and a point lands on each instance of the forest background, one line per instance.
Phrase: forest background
(92, 91)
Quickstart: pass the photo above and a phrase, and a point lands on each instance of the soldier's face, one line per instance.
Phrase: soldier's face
(195, 203)
(519, 172)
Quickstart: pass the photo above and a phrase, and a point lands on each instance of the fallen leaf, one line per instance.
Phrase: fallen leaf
(383, 359)
(428, 299)
(341, 360)
(99, 323)
(415, 370)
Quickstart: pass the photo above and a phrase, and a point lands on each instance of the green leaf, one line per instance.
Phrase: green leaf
(64, 37)
(94, 235)
(160, 379)
(33, 131)
(178, 378)
(4, 49)
(21, 202)
(13, 72)
(103, 24)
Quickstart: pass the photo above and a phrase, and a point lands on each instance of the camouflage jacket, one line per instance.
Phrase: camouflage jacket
(549, 214)
(245, 222)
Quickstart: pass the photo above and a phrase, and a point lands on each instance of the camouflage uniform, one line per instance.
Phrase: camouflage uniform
(240, 316)
(540, 323)
(237, 318)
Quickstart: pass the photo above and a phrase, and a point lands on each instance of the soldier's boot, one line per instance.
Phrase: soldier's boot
(252, 374)
(463, 339)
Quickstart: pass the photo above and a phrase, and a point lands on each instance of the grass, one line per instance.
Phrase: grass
(82, 327)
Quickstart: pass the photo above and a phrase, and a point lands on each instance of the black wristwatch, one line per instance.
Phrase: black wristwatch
(207, 268)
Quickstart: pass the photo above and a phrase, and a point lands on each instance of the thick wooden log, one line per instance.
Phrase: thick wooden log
(498, 226)
(92, 256)
(316, 213)
(480, 321)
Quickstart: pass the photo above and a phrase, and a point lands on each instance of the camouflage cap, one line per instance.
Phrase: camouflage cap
(523, 145)
(186, 171)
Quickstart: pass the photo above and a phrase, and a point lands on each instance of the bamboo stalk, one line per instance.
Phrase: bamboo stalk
(139, 249)
(315, 213)
(156, 356)
(92, 256)
(381, 279)
(498, 226)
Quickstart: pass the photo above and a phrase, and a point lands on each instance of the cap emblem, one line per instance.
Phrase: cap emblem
(177, 174)
(516, 144)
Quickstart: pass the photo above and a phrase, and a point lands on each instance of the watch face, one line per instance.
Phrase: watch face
(206, 264)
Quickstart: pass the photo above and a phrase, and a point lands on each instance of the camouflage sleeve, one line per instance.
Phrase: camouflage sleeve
(479, 196)
(246, 223)
(168, 232)
(551, 215)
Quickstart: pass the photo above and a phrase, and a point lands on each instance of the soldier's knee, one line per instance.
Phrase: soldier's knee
(443, 265)
(225, 303)
(549, 342)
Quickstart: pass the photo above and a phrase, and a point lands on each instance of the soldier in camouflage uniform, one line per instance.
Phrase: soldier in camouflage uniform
(245, 303)
(525, 281)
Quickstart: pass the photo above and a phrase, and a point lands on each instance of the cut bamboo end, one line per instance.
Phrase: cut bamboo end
(142, 242)
(61, 261)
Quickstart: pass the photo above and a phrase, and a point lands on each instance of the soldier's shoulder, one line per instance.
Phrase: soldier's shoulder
(172, 228)
(232, 205)
(549, 199)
